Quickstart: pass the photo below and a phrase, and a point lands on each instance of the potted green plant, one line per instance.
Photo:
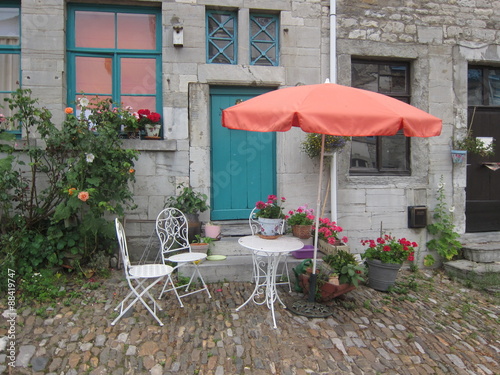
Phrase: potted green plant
(384, 257)
(338, 274)
(201, 244)
(191, 203)
(301, 221)
(345, 266)
(482, 146)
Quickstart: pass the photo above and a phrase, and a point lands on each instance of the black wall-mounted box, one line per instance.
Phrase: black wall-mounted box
(417, 216)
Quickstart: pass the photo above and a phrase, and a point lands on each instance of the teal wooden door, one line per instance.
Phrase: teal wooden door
(243, 163)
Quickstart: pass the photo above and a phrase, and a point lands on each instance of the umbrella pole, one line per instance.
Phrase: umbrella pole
(313, 278)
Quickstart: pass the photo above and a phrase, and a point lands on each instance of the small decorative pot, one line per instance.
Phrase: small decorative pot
(153, 131)
(269, 227)
(302, 231)
(381, 276)
(212, 231)
(458, 156)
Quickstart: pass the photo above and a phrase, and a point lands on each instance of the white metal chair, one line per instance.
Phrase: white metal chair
(284, 275)
(172, 231)
(140, 278)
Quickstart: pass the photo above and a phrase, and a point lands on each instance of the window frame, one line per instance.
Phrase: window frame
(485, 89)
(209, 38)
(274, 43)
(11, 49)
(116, 54)
(405, 97)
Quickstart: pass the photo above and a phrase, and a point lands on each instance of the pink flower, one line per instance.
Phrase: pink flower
(83, 196)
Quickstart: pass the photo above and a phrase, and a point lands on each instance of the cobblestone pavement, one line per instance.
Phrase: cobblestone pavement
(442, 327)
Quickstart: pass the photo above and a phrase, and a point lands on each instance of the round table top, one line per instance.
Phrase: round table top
(281, 244)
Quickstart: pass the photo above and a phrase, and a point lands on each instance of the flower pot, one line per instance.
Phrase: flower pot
(327, 291)
(381, 276)
(194, 226)
(327, 248)
(153, 131)
(212, 231)
(270, 227)
(458, 156)
(302, 231)
(200, 247)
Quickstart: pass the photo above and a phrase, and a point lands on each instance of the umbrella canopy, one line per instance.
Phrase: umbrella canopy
(332, 109)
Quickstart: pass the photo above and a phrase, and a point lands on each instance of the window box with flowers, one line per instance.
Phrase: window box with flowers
(329, 237)
(301, 220)
(270, 216)
(384, 257)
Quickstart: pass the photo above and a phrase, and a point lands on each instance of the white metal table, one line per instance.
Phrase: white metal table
(266, 257)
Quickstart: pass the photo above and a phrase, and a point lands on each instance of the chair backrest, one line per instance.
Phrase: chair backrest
(255, 225)
(172, 231)
(122, 242)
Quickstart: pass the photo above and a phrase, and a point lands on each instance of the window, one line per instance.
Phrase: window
(221, 37)
(10, 53)
(381, 155)
(115, 52)
(483, 86)
(264, 40)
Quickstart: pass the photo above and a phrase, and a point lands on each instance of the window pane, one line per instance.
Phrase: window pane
(475, 87)
(94, 29)
(393, 153)
(494, 86)
(93, 75)
(136, 31)
(140, 102)
(221, 38)
(9, 72)
(365, 76)
(138, 76)
(364, 153)
(9, 26)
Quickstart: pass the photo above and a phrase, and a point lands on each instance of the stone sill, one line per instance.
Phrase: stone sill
(150, 144)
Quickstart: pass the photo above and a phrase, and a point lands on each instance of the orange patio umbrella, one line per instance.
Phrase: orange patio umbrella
(331, 109)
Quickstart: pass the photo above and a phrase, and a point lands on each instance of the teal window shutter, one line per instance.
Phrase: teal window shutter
(222, 30)
(264, 40)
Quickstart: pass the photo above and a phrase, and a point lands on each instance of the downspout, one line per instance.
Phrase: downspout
(333, 79)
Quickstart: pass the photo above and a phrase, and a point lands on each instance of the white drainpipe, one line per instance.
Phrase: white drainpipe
(333, 79)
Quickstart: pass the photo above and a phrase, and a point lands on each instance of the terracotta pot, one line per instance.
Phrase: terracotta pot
(327, 290)
(302, 231)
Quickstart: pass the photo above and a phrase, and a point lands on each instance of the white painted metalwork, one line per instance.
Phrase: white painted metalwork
(138, 277)
(172, 230)
(266, 258)
(284, 275)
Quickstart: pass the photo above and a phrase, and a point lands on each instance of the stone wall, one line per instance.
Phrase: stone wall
(439, 38)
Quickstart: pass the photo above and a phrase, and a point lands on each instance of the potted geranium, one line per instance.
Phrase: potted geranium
(270, 215)
(149, 121)
(301, 221)
(384, 257)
